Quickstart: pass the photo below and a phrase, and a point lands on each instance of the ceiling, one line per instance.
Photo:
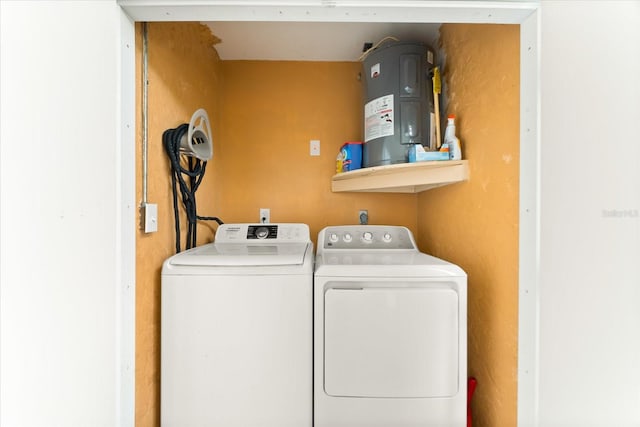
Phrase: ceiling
(310, 41)
(323, 30)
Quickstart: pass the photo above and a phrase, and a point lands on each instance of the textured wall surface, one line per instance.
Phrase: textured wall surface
(263, 115)
(184, 72)
(475, 223)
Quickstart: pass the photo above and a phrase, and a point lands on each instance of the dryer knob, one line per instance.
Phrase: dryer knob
(347, 237)
(333, 237)
(386, 237)
(367, 237)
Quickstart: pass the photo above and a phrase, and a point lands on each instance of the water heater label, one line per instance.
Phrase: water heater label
(378, 118)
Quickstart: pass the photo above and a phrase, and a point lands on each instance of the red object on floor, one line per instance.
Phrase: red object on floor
(471, 387)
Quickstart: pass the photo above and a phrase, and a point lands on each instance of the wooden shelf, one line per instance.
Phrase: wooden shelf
(402, 178)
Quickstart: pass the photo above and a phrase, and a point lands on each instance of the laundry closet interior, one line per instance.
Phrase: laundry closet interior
(264, 111)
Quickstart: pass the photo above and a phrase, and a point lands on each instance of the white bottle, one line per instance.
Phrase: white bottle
(450, 138)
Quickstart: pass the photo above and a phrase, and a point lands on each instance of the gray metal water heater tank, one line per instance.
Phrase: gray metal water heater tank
(398, 102)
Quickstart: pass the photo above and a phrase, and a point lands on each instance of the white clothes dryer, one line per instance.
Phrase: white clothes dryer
(390, 332)
(236, 337)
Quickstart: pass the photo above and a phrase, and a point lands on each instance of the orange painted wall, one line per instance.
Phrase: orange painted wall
(475, 223)
(184, 73)
(263, 115)
(270, 112)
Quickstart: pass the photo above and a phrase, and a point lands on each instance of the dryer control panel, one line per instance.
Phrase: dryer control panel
(382, 237)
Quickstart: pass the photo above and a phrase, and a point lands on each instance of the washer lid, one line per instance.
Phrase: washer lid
(243, 254)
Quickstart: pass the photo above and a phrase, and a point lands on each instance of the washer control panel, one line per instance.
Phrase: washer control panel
(255, 233)
(366, 237)
(265, 231)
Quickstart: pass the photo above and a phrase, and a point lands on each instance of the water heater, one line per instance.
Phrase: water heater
(398, 102)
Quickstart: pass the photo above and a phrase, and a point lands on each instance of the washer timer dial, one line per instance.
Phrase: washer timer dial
(262, 232)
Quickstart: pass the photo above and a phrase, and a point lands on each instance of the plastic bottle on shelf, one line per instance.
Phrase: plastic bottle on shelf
(450, 138)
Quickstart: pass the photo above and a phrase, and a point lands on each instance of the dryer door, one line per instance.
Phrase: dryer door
(391, 342)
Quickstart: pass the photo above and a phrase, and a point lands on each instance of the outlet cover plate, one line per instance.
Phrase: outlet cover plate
(314, 147)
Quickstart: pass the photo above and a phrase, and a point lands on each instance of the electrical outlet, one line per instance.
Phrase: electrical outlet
(265, 215)
(363, 215)
(314, 147)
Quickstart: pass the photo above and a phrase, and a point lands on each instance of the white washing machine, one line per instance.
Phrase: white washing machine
(390, 332)
(236, 337)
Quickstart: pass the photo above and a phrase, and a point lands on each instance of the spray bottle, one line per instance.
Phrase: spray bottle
(450, 138)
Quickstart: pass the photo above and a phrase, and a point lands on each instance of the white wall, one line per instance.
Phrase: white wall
(66, 348)
(589, 336)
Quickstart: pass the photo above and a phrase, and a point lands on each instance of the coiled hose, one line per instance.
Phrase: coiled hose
(185, 180)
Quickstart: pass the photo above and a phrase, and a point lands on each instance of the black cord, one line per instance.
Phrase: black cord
(195, 173)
